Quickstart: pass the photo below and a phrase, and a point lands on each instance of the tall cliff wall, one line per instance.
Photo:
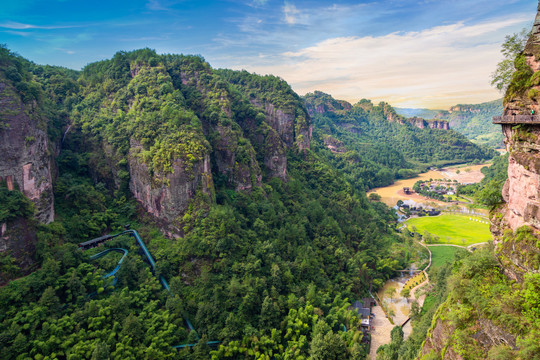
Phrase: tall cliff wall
(185, 128)
(521, 192)
(489, 327)
(25, 161)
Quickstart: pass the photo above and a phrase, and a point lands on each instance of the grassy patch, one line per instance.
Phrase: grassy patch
(429, 301)
(440, 255)
(453, 229)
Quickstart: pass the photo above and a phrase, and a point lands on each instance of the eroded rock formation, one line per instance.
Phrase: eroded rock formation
(25, 160)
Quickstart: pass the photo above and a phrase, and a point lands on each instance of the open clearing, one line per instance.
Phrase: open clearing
(467, 174)
(442, 254)
(453, 229)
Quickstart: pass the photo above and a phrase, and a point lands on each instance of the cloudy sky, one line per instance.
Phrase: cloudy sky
(410, 53)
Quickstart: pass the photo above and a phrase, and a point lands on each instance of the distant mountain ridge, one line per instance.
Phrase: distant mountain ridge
(423, 113)
(472, 120)
(374, 145)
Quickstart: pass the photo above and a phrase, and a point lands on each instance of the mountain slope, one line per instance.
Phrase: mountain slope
(375, 145)
(471, 120)
(263, 235)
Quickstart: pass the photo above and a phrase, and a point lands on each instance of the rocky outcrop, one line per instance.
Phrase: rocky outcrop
(320, 103)
(440, 124)
(167, 196)
(486, 335)
(437, 341)
(423, 123)
(24, 145)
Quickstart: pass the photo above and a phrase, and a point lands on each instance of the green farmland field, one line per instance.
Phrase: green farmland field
(452, 228)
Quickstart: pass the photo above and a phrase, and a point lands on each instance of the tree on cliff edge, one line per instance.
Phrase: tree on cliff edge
(511, 48)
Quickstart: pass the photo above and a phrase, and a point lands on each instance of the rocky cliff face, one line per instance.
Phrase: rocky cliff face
(186, 128)
(515, 226)
(25, 161)
(520, 214)
(423, 123)
(278, 121)
(488, 335)
(167, 196)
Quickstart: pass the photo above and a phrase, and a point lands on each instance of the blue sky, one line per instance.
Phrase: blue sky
(425, 53)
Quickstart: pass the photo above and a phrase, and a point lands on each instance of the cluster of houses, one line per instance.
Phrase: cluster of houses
(440, 188)
(419, 210)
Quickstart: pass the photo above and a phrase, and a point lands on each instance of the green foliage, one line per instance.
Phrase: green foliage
(270, 273)
(489, 190)
(480, 291)
(475, 121)
(13, 204)
(531, 289)
(520, 80)
(511, 48)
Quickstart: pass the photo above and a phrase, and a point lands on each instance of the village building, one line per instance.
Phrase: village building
(363, 308)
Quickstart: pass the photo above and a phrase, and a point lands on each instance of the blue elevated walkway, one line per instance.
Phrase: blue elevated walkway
(100, 240)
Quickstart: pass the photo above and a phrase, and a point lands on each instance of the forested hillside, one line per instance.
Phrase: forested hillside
(373, 145)
(472, 120)
(264, 242)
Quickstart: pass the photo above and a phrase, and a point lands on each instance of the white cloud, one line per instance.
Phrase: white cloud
(290, 13)
(436, 67)
(20, 26)
(162, 5)
(69, 52)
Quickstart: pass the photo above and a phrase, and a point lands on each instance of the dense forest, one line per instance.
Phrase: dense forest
(271, 241)
(269, 272)
(368, 144)
(489, 190)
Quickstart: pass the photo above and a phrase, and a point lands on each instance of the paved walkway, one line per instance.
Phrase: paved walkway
(468, 248)
(380, 335)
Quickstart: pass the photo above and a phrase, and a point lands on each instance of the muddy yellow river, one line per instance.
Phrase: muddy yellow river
(462, 173)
